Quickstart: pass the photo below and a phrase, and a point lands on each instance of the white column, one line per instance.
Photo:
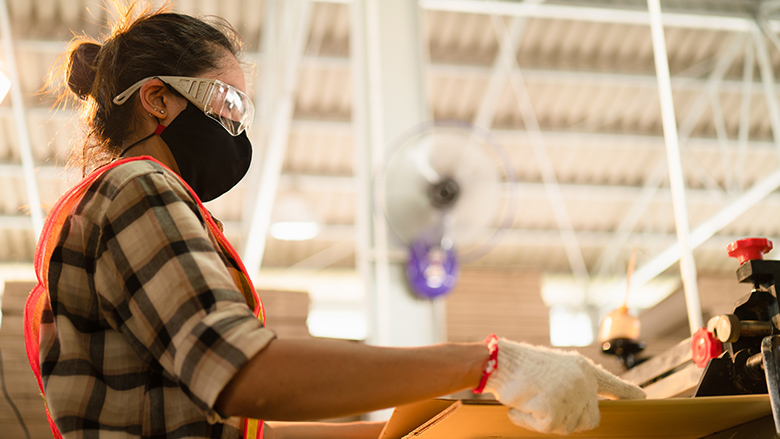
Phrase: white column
(389, 99)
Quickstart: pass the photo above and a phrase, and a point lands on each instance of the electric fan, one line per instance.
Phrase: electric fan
(445, 189)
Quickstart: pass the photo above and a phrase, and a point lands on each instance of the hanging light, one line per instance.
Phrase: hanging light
(5, 85)
(294, 230)
(293, 220)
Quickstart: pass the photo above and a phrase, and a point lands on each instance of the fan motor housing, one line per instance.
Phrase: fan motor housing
(444, 193)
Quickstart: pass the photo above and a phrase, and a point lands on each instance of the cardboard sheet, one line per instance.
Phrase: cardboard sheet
(679, 418)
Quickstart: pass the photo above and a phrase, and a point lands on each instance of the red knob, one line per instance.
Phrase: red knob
(749, 248)
(704, 347)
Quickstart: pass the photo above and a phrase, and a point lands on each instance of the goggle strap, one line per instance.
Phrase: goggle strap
(188, 86)
(198, 90)
(121, 98)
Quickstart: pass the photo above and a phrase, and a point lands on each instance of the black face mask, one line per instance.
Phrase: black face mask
(210, 159)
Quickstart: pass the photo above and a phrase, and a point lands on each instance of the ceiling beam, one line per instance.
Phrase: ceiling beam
(676, 174)
(743, 132)
(705, 19)
(499, 74)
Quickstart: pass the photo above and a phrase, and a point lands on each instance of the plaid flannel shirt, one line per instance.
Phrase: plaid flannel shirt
(146, 325)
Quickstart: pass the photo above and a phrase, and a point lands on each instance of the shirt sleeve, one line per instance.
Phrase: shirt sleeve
(162, 283)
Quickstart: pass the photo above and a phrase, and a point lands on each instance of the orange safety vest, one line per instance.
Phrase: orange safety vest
(38, 300)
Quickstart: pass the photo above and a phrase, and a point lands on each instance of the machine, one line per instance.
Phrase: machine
(738, 353)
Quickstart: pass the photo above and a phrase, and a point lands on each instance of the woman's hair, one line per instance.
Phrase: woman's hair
(149, 43)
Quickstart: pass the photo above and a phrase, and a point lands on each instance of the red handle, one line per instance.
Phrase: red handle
(749, 249)
(704, 347)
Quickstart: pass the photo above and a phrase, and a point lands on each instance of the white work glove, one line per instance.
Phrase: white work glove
(553, 391)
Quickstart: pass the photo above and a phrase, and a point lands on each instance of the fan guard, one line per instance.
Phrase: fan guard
(446, 192)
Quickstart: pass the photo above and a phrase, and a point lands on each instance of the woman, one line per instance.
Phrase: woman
(145, 324)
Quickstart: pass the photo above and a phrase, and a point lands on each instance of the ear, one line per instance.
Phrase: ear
(155, 98)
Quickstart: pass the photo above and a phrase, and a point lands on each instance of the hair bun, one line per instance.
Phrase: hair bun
(82, 68)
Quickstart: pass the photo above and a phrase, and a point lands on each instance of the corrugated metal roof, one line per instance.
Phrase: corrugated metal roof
(591, 85)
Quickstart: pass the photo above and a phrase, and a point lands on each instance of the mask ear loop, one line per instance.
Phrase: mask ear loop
(160, 128)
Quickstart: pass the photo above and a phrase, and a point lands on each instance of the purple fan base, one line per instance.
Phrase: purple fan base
(431, 270)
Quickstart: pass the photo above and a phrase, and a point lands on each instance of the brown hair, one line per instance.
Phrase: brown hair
(156, 42)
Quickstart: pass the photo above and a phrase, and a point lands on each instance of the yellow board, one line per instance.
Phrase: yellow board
(680, 418)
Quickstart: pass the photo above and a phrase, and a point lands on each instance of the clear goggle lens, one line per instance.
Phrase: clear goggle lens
(230, 107)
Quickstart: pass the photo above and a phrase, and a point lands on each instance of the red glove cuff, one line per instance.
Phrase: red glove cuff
(490, 365)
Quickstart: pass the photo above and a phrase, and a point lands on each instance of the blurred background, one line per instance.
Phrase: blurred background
(579, 132)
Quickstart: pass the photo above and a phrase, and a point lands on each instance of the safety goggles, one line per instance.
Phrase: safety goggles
(222, 102)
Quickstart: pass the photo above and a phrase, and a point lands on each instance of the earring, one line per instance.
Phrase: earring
(162, 111)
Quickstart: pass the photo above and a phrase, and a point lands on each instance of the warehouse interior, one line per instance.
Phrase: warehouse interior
(606, 154)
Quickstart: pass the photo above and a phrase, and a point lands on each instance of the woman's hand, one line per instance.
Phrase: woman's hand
(553, 391)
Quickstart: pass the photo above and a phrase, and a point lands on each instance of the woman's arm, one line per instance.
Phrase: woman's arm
(293, 380)
(321, 430)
